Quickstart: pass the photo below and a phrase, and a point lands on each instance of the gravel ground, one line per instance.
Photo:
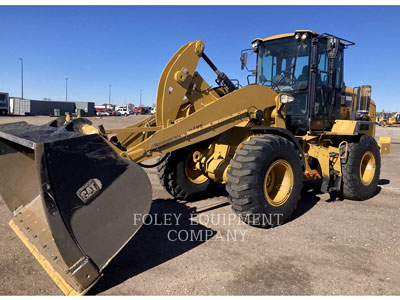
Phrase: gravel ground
(328, 248)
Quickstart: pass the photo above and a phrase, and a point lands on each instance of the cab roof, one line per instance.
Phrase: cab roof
(280, 36)
(313, 33)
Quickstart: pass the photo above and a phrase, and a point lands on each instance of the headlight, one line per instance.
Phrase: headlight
(255, 44)
(286, 98)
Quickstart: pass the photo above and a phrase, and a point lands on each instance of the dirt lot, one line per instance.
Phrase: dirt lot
(328, 248)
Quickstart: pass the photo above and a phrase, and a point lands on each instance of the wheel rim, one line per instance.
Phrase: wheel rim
(278, 183)
(195, 175)
(367, 168)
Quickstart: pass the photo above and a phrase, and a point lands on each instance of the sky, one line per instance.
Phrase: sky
(127, 47)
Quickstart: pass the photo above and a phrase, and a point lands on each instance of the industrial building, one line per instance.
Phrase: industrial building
(88, 107)
(28, 107)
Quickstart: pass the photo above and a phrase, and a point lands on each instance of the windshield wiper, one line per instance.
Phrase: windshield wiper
(292, 66)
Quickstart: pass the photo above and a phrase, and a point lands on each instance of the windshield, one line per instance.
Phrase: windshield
(283, 64)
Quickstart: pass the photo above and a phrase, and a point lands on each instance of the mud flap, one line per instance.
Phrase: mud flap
(73, 199)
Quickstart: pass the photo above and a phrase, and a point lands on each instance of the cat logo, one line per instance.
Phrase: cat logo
(89, 190)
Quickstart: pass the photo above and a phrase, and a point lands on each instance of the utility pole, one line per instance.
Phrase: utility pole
(22, 77)
(66, 89)
(109, 94)
(140, 97)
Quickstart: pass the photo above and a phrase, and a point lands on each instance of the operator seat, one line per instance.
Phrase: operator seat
(302, 81)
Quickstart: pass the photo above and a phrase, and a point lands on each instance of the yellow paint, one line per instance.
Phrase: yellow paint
(192, 172)
(222, 150)
(88, 129)
(321, 153)
(384, 144)
(274, 37)
(175, 81)
(367, 168)
(278, 183)
(343, 127)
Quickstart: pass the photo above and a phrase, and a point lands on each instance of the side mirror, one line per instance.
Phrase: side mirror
(332, 47)
(243, 60)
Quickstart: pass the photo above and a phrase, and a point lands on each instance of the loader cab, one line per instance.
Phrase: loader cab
(308, 67)
(386, 116)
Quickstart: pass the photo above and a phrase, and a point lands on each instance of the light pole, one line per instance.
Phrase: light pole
(109, 94)
(22, 77)
(66, 89)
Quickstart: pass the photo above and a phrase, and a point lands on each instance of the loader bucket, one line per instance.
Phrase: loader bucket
(73, 199)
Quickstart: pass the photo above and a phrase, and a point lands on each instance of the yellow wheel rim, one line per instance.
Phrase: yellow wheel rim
(278, 182)
(367, 168)
(195, 175)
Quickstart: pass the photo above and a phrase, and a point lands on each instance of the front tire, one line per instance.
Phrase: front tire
(361, 169)
(181, 179)
(265, 181)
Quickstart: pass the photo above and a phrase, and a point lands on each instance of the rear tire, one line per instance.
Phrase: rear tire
(361, 169)
(174, 177)
(265, 181)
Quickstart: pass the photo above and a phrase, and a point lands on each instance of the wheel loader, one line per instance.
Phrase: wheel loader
(387, 120)
(73, 188)
(383, 119)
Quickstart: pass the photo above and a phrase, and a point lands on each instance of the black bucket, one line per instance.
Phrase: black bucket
(74, 199)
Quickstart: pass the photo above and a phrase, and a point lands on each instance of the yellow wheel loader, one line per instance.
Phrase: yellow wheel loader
(383, 119)
(387, 120)
(73, 188)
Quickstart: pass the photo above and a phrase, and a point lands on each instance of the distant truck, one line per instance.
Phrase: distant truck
(142, 110)
(4, 104)
(123, 110)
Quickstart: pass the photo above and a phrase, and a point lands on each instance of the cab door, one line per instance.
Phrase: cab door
(326, 83)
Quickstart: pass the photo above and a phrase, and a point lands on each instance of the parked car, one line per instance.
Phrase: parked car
(101, 112)
(123, 111)
(110, 112)
(142, 110)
